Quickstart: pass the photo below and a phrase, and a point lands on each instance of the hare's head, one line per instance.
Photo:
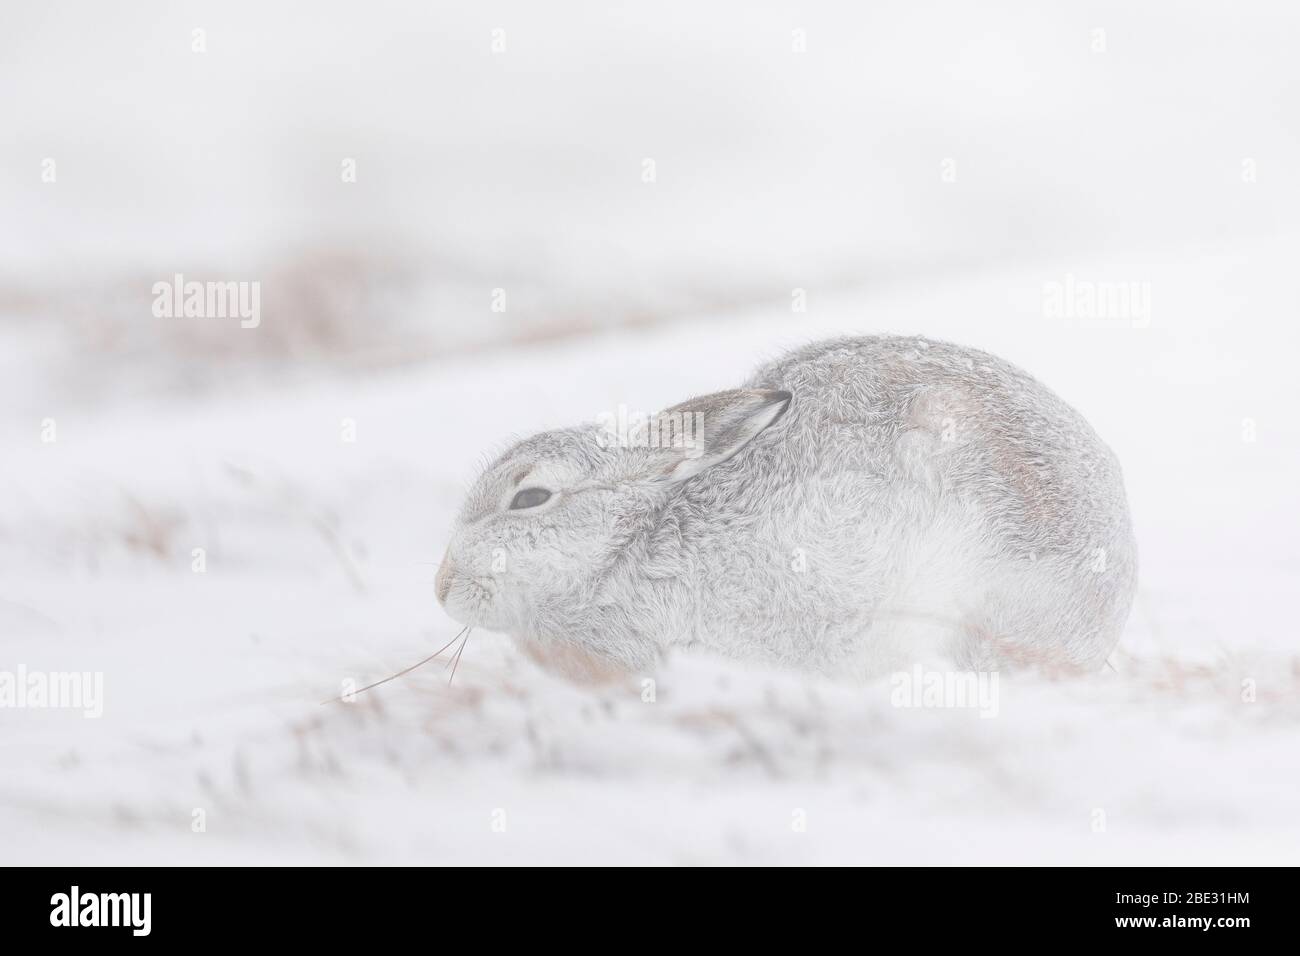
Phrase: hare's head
(545, 523)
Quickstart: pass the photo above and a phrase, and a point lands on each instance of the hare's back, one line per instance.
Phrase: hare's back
(971, 423)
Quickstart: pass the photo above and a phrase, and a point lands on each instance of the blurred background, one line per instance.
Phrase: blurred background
(908, 143)
(473, 221)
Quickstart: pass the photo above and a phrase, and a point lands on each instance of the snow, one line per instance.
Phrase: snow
(320, 556)
(821, 174)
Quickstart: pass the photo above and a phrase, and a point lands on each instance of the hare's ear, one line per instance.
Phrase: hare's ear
(705, 431)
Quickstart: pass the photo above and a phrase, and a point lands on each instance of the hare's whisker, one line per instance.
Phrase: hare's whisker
(405, 671)
(456, 659)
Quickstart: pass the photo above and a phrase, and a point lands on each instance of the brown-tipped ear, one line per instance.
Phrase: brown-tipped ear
(707, 430)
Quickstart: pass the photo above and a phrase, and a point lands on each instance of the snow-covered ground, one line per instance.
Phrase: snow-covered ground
(913, 171)
(319, 561)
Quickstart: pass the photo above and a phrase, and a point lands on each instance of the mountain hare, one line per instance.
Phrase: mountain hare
(858, 504)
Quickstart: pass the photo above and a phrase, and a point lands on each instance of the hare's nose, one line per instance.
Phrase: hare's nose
(442, 583)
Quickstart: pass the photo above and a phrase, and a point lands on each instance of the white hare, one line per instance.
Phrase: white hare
(858, 504)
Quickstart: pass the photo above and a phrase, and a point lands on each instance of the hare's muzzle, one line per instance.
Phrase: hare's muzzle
(442, 583)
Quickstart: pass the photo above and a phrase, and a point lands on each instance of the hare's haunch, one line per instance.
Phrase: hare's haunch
(858, 504)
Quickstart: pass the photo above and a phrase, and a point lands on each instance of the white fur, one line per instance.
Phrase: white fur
(859, 504)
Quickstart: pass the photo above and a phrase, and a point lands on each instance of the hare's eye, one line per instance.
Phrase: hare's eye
(530, 498)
